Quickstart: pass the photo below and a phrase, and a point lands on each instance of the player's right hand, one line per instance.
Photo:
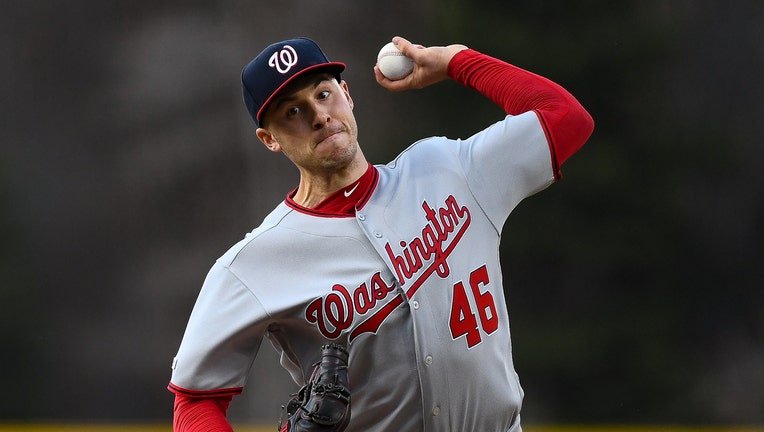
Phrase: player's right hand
(430, 65)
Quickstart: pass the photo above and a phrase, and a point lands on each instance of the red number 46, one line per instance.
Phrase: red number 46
(463, 321)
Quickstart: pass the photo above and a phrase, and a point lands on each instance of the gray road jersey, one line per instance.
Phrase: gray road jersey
(412, 285)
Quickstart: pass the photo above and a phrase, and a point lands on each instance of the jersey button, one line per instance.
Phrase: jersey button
(361, 217)
(415, 304)
(377, 234)
(436, 411)
(428, 360)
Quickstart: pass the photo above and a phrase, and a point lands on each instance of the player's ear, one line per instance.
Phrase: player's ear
(268, 139)
(345, 89)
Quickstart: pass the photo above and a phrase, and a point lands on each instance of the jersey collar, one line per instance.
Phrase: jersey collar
(344, 202)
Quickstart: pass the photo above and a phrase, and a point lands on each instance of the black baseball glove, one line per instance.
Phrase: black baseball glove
(323, 403)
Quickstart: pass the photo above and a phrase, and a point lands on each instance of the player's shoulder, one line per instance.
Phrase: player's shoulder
(271, 221)
(446, 148)
(428, 149)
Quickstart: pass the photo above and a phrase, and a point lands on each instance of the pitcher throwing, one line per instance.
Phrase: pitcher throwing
(398, 264)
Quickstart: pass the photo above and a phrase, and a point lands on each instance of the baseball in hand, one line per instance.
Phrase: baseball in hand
(392, 63)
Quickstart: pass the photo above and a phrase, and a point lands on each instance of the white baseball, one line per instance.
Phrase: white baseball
(392, 63)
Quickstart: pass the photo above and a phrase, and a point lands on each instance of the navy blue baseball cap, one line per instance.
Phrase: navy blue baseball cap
(278, 65)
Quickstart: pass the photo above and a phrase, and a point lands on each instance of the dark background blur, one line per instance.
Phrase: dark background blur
(129, 164)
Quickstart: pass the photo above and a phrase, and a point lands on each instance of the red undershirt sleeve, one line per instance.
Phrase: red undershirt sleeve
(566, 123)
(201, 414)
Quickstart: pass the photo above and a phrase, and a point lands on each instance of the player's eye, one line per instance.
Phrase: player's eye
(323, 94)
(292, 111)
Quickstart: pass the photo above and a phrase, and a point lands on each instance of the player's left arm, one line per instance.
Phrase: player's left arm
(201, 414)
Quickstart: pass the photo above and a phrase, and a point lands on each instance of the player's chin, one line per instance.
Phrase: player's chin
(338, 158)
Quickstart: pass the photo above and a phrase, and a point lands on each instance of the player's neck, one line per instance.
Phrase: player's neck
(314, 188)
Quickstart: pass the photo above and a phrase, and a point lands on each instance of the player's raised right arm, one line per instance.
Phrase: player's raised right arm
(566, 123)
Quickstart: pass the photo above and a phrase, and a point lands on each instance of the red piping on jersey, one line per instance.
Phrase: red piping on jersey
(204, 393)
(366, 196)
(552, 151)
(311, 212)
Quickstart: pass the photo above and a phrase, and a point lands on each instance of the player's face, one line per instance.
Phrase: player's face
(312, 123)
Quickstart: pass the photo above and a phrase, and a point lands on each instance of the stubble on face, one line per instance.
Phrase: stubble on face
(318, 150)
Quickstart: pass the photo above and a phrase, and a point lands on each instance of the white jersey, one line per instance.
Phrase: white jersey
(411, 284)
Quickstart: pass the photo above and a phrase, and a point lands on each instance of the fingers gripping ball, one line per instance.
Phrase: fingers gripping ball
(323, 404)
(392, 63)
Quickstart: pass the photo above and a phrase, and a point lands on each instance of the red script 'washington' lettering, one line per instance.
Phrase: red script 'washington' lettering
(334, 312)
(444, 228)
(433, 241)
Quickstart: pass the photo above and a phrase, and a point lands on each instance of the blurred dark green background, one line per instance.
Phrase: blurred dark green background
(128, 164)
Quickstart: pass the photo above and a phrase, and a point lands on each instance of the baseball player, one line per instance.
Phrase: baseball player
(398, 264)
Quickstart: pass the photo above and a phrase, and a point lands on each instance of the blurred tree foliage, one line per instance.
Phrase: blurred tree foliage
(128, 165)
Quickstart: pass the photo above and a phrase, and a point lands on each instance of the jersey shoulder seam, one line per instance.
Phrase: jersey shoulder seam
(271, 221)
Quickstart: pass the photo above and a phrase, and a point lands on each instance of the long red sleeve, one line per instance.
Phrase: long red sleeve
(201, 414)
(566, 123)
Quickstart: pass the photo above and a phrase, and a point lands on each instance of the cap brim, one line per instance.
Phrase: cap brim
(334, 67)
